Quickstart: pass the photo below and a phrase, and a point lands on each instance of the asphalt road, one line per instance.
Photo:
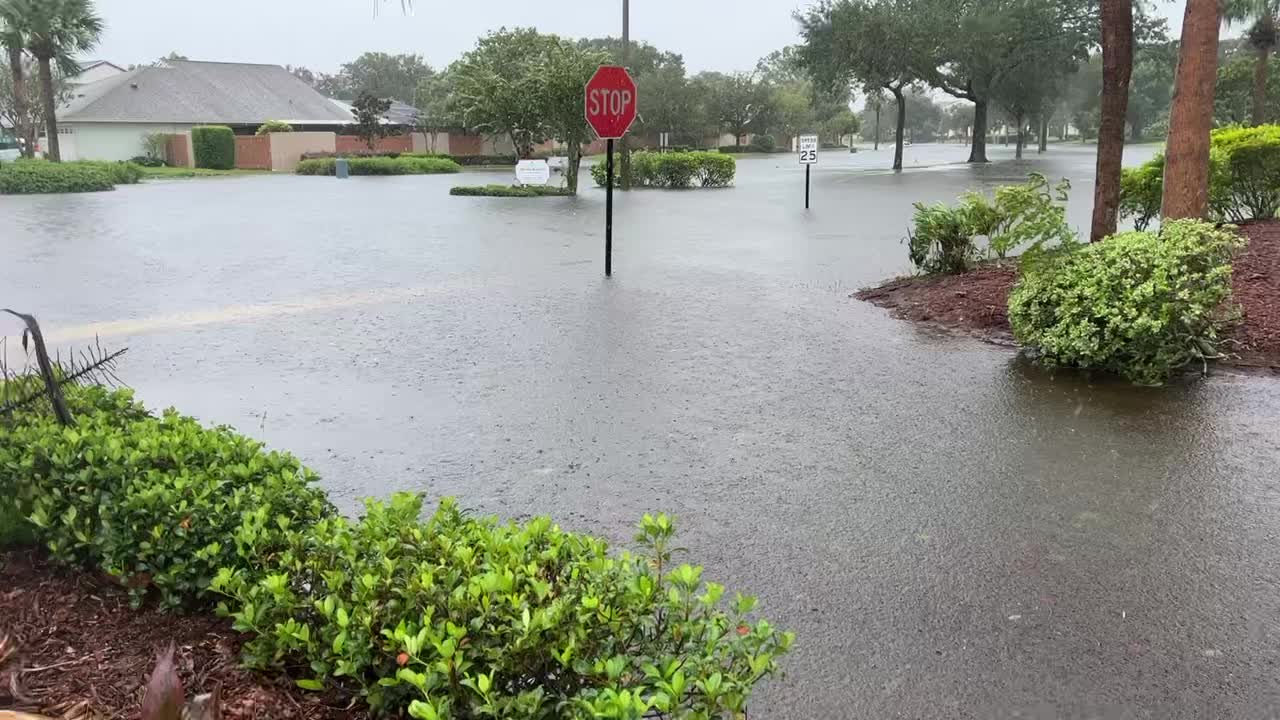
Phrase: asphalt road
(951, 532)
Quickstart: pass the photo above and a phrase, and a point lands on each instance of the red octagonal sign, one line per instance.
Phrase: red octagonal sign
(611, 102)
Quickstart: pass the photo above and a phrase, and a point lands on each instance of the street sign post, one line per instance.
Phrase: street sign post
(610, 109)
(808, 146)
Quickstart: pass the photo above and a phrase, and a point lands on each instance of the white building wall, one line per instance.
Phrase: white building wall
(109, 141)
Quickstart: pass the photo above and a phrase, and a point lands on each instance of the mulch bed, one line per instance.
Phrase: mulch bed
(976, 302)
(70, 647)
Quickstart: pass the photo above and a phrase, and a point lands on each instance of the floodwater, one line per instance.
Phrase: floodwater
(951, 532)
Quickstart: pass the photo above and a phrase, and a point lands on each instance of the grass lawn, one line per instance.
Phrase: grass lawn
(181, 172)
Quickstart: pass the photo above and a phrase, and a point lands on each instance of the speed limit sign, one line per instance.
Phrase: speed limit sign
(808, 149)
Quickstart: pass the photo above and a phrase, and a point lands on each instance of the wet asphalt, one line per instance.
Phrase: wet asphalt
(951, 532)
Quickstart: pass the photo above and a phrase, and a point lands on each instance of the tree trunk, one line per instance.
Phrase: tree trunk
(902, 127)
(50, 121)
(575, 161)
(1186, 170)
(1021, 138)
(22, 120)
(1117, 67)
(1260, 85)
(1044, 134)
(978, 151)
(877, 147)
(737, 139)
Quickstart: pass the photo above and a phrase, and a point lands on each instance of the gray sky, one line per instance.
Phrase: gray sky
(322, 34)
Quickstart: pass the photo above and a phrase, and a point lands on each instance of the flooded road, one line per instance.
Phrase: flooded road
(950, 532)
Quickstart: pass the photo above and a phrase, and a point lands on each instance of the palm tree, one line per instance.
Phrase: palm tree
(1117, 68)
(1263, 37)
(57, 31)
(13, 42)
(1186, 168)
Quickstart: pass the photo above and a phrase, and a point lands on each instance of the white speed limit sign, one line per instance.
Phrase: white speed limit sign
(808, 149)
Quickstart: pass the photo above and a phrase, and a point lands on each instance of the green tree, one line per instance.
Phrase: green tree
(382, 74)
(670, 103)
(435, 103)
(644, 59)
(368, 110)
(978, 45)
(924, 117)
(567, 69)
(739, 103)
(56, 33)
(1262, 38)
(876, 43)
(840, 125)
(499, 86)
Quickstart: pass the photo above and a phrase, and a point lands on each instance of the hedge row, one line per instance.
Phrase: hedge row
(214, 147)
(455, 616)
(1244, 178)
(510, 191)
(673, 169)
(373, 153)
(381, 166)
(25, 177)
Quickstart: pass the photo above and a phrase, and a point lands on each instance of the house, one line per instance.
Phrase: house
(109, 119)
(91, 71)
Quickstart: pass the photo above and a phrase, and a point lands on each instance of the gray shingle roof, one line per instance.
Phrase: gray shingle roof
(203, 92)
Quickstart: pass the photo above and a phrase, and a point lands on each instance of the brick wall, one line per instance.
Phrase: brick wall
(253, 152)
(177, 153)
(393, 143)
(465, 144)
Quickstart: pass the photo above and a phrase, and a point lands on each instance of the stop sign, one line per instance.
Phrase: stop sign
(611, 102)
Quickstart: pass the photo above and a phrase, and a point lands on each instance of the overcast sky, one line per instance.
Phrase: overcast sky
(322, 34)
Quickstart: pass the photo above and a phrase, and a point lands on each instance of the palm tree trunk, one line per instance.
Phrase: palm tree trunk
(902, 127)
(50, 120)
(978, 151)
(1044, 134)
(22, 120)
(1117, 68)
(1186, 170)
(1260, 85)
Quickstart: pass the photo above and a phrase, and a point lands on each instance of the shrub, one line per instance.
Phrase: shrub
(274, 126)
(160, 503)
(673, 169)
(214, 146)
(452, 616)
(764, 144)
(146, 161)
(500, 160)
(466, 617)
(1026, 217)
(121, 173)
(405, 165)
(942, 241)
(155, 146)
(38, 176)
(1138, 304)
(1244, 178)
(509, 191)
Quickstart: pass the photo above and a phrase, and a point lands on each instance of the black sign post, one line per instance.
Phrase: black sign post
(608, 211)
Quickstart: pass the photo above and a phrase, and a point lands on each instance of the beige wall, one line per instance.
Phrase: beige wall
(422, 142)
(287, 148)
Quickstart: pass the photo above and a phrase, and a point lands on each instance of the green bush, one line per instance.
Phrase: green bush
(122, 173)
(374, 153)
(454, 616)
(461, 617)
(214, 146)
(274, 126)
(160, 503)
(499, 160)
(25, 177)
(510, 191)
(403, 165)
(1138, 304)
(764, 144)
(673, 169)
(1027, 217)
(1244, 178)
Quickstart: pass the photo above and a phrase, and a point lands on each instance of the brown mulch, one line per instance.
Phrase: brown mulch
(976, 302)
(75, 649)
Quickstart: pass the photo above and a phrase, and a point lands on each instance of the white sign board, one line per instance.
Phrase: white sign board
(533, 172)
(808, 149)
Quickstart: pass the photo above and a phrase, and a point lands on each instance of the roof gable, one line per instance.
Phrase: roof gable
(202, 92)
